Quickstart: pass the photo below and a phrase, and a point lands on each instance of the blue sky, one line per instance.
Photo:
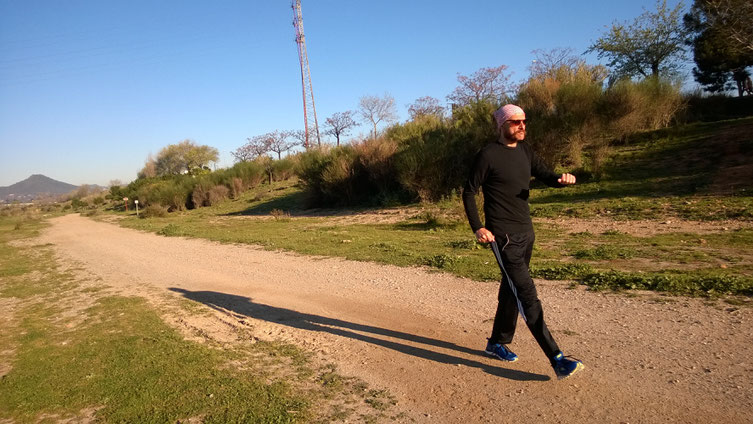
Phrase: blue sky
(89, 88)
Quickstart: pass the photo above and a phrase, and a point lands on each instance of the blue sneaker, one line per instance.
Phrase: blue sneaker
(564, 367)
(498, 350)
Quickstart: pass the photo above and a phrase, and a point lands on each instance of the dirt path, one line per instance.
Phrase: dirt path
(420, 334)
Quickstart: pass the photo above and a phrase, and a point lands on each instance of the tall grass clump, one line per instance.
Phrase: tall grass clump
(574, 117)
(154, 211)
(628, 106)
(561, 106)
(217, 194)
(200, 194)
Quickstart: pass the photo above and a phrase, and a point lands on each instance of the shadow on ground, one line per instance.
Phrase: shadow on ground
(246, 307)
(292, 204)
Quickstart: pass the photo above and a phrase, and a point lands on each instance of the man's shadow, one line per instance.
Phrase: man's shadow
(245, 306)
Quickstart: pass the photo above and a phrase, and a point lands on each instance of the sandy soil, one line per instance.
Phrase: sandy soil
(419, 334)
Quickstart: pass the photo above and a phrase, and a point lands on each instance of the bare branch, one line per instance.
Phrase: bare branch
(340, 123)
(426, 105)
(491, 84)
(378, 109)
(279, 142)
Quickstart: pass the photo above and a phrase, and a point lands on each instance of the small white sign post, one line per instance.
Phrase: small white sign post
(137, 207)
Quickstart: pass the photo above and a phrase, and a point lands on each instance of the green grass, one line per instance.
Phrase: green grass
(75, 352)
(128, 364)
(679, 172)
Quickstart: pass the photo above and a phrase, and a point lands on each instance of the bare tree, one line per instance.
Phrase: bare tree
(279, 142)
(255, 146)
(491, 84)
(340, 123)
(376, 109)
(545, 62)
(426, 105)
(244, 153)
(299, 136)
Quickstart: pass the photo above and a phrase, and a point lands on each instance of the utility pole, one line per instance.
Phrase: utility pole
(310, 123)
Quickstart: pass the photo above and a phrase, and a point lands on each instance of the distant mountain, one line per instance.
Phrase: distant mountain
(34, 187)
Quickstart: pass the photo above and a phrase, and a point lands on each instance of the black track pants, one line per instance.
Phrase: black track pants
(517, 293)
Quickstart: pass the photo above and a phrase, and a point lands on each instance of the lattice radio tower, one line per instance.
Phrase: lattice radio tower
(310, 123)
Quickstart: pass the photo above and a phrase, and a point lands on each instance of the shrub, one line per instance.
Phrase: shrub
(282, 169)
(170, 230)
(173, 192)
(217, 194)
(434, 156)
(716, 108)
(279, 215)
(440, 261)
(327, 175)
(629, 106)
(337, 179)
(236, 187)
(77, 204)
(200, 194)
(251, 173)
(154, 210)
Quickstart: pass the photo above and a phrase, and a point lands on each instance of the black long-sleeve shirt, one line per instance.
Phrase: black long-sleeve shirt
(504, 173)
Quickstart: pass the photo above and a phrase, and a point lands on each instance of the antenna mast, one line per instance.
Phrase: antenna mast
(309, 109)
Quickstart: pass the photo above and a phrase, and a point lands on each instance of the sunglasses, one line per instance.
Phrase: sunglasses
(516, 121)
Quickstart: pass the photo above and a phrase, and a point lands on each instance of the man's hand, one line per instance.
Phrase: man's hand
(484, 236)
(567, 179)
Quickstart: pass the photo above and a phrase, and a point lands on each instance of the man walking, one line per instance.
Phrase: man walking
(503, 169)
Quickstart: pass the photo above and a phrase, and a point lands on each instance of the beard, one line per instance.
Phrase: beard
(515, 136)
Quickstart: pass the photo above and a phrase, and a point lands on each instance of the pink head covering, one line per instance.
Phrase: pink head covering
(505, 112)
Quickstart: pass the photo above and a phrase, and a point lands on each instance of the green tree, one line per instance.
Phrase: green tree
(184, 157)
(722, 41)
(652, 45)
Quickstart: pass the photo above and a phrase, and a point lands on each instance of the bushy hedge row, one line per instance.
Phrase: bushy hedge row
(572, 119)
(180, 192)
(423, 159)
